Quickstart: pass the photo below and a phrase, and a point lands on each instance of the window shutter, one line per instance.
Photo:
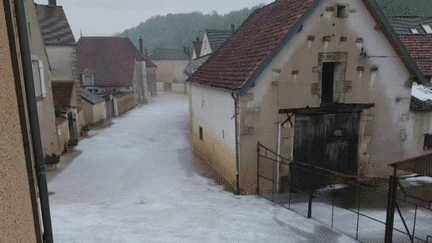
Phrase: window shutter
(42, 78)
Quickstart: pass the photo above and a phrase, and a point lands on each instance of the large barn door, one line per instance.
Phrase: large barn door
(329, 141)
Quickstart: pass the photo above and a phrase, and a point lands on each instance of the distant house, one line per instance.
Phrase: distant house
(61, 48)
(113, 64)
(213, 39)
(321, 82)
(42, 82)
(171, 64)
(59, 41)
(94, 107)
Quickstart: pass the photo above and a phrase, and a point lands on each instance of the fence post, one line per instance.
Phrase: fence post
(391, 203)
(310, 193)
(258, 165)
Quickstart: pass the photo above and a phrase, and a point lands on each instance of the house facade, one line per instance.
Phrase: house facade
(42, 78)
(328, 83)
(170, 66)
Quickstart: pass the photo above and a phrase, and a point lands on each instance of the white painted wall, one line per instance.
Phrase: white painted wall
(213, 110)
(205, 47)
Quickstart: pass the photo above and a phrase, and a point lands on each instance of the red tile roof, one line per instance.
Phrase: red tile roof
(111, 60)
(235, 62)
(54, 25)
(62, 92)
(419, 48)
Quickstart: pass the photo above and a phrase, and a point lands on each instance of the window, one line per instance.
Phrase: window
(38, 78)
(342, 11)
(414, 31)
(427, 142)
(87, 79)
(201, 133)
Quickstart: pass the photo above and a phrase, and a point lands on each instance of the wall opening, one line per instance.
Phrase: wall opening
(201, 133)
(341, 11)
(328, 71)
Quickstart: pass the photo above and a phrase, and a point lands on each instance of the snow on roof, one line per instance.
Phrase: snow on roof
(421, 92)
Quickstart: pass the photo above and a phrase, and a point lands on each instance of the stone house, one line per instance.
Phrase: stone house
(42, 81)
(171, 63)
(113, 64)
(94, 107)
(324, 82)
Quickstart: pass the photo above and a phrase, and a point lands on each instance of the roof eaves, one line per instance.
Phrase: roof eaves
(393, 38)
(269, 58)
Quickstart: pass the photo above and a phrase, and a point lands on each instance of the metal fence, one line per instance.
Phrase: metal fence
(358, 209)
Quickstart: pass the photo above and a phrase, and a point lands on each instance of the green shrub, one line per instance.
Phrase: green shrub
(52, 159)
(73, 142)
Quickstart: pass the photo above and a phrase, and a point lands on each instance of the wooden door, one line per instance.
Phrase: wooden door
(329, 141)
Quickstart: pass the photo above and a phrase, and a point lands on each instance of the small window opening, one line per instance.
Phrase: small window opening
(427, 142)
(201, 133)
(328, 70)
(341, 11)
(223, 134)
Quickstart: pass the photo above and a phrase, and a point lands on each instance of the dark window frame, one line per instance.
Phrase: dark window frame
(427, 143)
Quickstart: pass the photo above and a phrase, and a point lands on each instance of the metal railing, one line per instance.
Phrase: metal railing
(356, 208)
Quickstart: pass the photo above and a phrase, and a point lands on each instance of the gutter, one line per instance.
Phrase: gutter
(34, 120)
(236, 143)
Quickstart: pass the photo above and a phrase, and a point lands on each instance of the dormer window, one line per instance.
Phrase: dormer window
(87, 80)
(414, 31)
(342, 11)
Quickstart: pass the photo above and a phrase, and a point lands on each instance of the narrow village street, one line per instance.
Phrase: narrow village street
(137, 180)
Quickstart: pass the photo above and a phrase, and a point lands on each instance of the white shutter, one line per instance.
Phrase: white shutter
(42, 78)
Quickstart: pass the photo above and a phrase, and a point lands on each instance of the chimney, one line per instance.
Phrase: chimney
(141, 45)
(52, 2)
(232, 29)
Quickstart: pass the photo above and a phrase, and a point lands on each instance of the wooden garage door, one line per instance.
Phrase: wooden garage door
(329, 141)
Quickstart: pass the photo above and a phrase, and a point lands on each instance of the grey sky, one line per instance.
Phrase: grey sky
(107, 17)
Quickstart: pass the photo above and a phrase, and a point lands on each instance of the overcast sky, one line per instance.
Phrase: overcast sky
(108, 17)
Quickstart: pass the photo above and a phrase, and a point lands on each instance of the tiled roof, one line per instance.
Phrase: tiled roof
(419, 48)
(234, 63)
(54, 25)
(404, 25)
(62, 92)
(111, 60)
(195, 64)
(90, 97)
(168, 55)
(217, 37)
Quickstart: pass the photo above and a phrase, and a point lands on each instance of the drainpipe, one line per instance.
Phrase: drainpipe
(236, 143)
(34, 120)
(278, 146)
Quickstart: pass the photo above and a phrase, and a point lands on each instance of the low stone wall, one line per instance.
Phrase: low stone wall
(125, 103)
(179, 87)
(62, 126)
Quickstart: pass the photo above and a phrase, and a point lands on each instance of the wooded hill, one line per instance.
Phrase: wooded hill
(179, 30)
